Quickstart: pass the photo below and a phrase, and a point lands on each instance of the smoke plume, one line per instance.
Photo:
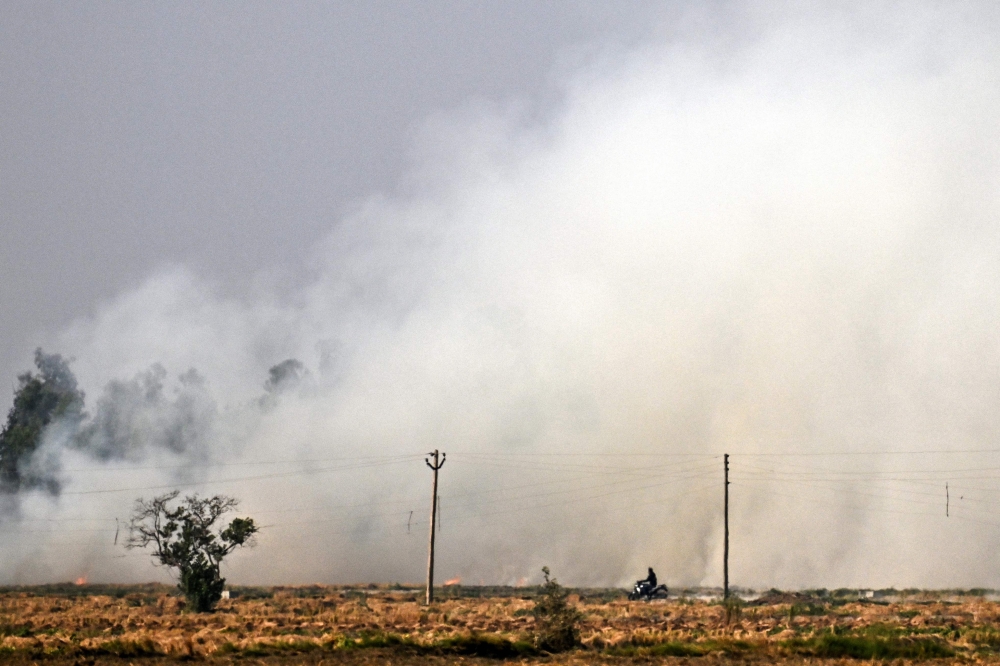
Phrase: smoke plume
(776, 235)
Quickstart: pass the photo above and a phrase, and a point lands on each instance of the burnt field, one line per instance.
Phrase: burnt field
(122, 624)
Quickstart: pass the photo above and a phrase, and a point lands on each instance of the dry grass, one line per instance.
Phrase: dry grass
(334, 623)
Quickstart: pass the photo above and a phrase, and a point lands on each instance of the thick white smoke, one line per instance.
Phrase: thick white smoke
(782, 239)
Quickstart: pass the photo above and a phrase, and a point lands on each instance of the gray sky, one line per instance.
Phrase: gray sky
(229, 137)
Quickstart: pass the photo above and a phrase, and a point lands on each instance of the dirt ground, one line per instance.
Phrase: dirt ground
(317, 625)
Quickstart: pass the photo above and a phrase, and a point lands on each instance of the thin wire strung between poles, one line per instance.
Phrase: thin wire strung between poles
(881, 483)
(774, 474)
(677, 474)
(276, 475)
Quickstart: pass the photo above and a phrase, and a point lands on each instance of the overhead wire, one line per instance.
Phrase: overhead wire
(112, 467)
(886, 484)
(681, 473)
(478, 492)
(877, 483)
(257, 477)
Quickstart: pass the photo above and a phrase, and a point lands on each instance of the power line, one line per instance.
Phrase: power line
(675, 469)
(689, 472)
(883, 452)
(188, 484)
(242, 463)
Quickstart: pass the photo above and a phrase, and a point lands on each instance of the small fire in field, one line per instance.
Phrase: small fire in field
(82, 580)
(453, 581)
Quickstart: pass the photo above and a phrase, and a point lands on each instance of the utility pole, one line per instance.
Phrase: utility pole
(725, 549)
(435, 466)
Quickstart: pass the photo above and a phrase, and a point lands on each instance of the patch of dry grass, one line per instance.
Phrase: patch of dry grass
(336, 623)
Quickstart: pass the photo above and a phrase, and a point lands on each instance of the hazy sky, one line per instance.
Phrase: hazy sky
(231, 137)
(585, 248)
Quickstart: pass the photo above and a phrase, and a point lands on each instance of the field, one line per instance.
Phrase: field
(362, 625)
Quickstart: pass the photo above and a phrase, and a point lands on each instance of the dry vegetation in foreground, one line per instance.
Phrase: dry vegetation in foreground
(355, 625)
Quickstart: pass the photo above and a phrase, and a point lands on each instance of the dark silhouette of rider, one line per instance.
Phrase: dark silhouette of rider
(651, 579)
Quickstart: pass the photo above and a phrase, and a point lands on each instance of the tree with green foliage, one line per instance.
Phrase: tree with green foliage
(183, 538)
(556, 621)
(39, 401)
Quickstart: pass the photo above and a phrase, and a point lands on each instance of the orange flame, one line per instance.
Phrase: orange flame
(453, 581)
(82, 580)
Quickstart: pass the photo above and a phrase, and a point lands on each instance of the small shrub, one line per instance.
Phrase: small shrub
(807, 608)
(874, 647)
(668, 649)
(984, 637)
(18, 630)
(297, 646)
(734, 609)
(125, 648)
(372, 639)
(556, 620)
(254, 650)
(489, 646)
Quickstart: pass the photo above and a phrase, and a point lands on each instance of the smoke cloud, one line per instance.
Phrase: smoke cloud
(775, 235)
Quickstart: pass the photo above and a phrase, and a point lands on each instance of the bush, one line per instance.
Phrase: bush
(555, 620)
(734, 609)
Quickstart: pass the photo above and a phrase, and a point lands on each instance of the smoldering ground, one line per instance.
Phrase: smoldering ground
(771, 236)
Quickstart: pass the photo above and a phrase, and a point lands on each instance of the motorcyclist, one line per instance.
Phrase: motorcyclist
(647, 588)
(647, 583)
(650, 579)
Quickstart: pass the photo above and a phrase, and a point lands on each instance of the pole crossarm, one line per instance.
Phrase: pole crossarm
(436, 465)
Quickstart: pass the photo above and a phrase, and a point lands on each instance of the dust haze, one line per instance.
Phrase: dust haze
(771, 235)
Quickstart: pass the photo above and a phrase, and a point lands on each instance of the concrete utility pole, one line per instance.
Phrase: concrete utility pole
(435, 466)
(725, 548)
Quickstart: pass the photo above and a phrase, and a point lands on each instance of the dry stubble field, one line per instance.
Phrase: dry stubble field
(147, 624)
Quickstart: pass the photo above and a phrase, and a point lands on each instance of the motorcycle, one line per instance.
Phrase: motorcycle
(643, 590)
